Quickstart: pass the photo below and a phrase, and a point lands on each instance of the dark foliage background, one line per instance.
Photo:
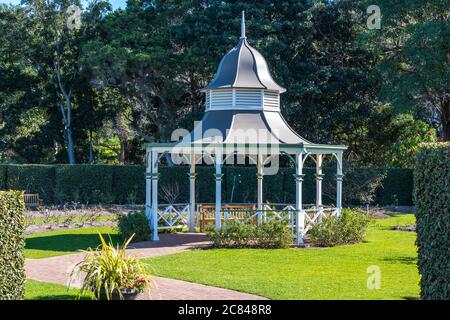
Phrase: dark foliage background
(94, 94)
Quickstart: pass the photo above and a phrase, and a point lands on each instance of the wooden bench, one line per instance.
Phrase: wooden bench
(32, 200)
(208, 213)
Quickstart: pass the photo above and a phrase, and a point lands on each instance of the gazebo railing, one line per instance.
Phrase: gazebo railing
(173, 216)
(266, 215)
(176, 216)
(281, 212)
(315, 215)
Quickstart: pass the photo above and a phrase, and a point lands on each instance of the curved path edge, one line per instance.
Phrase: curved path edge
(57, 270)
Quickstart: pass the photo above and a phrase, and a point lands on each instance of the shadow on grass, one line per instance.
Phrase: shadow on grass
(67, 242)
(401, 259)
(60, 297)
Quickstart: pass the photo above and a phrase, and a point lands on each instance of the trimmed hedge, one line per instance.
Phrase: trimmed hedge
(3, 170)
(12, 244)
(86, 183)
(245, 182)
(173, 184)
(432, 196)
(126, 184)
(32, 178)
(204, 184)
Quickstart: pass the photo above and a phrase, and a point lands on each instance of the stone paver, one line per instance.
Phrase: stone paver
(57, 270)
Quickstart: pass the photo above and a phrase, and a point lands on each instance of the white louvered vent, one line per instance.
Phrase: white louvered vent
(208, 100)
(221, 99)
(242, 99)
(271, 100)
(247, 98)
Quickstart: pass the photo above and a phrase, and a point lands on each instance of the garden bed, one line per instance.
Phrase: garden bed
(72, 217)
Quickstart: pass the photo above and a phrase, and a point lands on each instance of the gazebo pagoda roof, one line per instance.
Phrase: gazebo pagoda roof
(244, 67)
(241, 126)
(243, 108)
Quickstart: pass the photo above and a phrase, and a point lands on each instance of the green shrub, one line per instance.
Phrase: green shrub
(136, 223)
(349, 228)
(273, 235)
(32, 178)
(235, 234)
(12, 243)
(85, 183)
(129, 184)
(432, 197)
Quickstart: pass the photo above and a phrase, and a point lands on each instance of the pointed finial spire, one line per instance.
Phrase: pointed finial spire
(243, 26)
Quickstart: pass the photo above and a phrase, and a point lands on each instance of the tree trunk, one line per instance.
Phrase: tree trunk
(70, 147)
(123, 149)
(91, 148)
(67, 115)
(445, 118)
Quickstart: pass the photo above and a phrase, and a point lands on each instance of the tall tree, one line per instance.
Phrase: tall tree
(55, 48)
(414, 50)
(172, 48)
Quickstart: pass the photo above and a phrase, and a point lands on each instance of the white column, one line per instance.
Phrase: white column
(148, 186)
(300, 214)
(260, 177)
(192, 176)
(154, 220)
(319, 179)
(339, 176)
(218, 177)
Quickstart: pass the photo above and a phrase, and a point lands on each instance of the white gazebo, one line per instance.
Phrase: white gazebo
(242, 120)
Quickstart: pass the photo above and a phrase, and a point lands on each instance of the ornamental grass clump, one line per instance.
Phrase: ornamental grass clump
(349, 228)
(110, 273)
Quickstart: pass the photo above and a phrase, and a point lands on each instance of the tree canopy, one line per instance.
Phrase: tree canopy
(95, 92)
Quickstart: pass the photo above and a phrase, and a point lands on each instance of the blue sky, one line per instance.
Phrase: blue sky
(115, 3)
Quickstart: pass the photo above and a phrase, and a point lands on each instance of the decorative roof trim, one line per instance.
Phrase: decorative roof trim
(244, 67)
(254, 59)
(243, 26)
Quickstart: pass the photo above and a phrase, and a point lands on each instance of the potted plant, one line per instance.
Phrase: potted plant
(110, 274)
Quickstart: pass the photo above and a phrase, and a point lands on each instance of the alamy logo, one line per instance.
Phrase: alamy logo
(212, 141)
(374, 279)
(73, 14)
(374, 20)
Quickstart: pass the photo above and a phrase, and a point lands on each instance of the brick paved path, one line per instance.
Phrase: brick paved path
(57, 270)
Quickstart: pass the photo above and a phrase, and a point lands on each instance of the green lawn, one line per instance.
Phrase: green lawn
(37, 290)
(319, 273)
(55, 243)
